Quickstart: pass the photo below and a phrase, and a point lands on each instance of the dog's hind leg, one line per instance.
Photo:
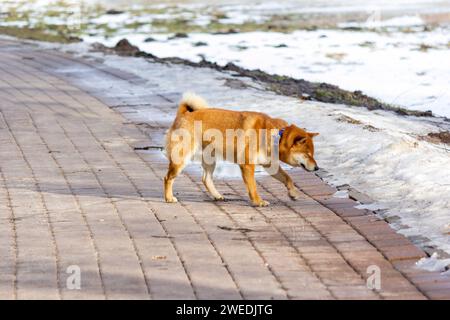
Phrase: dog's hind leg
(173, 171)
(285, 179)
(179, 156)
(176, 165)
(208, 172)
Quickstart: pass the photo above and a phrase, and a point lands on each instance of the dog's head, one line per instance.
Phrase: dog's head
(297, 148)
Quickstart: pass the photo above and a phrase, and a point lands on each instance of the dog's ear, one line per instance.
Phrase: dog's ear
(294, 136)
(313, 134)
(299, 140)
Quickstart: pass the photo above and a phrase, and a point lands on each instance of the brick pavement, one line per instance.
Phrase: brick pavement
(73, 191)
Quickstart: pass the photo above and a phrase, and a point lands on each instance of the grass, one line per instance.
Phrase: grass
(37, 34)
(180, 20)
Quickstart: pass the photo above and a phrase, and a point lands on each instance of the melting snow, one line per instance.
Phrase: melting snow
(407, 69)
(433, 263)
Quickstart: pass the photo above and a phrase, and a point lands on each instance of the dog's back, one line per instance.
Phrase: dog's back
(194, 108)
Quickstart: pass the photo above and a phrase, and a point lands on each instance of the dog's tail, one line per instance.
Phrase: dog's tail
(191, 102)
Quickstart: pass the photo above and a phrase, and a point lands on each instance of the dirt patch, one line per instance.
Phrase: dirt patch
(234, 229)
(235, 83)
(149, 148)
(125, 48)
(284, 85)
(437, 137)
(338, 56)
(347, 119)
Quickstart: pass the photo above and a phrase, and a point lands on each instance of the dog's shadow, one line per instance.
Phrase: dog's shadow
(118, 191)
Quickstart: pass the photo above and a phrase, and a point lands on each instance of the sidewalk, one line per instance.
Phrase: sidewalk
(74, 192)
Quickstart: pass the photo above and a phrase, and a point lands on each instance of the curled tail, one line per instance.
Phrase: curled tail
(191, 102)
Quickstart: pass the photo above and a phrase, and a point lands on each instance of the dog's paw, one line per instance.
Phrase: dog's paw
(172, 200)
(261, 203)
(219, 198)
(294, 194)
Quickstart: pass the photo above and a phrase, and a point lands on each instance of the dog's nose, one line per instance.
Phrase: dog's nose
(316, 168)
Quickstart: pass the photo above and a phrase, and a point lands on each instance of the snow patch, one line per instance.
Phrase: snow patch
(410, 70)
(402, 21)
(342, 194)
(433, 263)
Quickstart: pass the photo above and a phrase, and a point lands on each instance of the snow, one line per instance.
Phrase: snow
(409, 69)
(264, 8)
(342, 194)
(112, 21)
(391, 67)
(402, 21)
(433, 263)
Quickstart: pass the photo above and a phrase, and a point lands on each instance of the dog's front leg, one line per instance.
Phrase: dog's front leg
(285, 179)
(248, 174)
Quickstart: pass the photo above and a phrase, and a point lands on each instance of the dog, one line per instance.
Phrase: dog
(295, 146)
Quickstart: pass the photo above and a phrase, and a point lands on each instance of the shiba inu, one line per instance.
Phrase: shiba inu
(242, 137)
